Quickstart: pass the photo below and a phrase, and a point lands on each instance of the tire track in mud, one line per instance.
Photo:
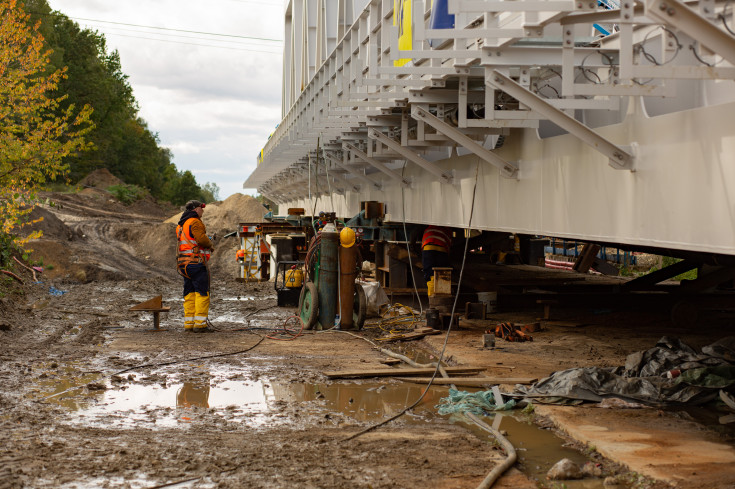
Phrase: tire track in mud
(105, 255)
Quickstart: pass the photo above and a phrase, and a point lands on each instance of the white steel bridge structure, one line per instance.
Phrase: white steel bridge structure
(610, 122)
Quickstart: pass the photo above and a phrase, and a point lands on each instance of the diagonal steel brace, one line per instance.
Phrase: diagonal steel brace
(618, 157)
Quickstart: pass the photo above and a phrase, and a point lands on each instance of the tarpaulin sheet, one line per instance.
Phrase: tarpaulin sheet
(644, 377)
(473, 402)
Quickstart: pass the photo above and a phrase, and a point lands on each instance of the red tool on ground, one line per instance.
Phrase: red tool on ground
(510, 332)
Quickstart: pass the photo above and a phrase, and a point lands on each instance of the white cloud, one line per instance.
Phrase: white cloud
(214, 107)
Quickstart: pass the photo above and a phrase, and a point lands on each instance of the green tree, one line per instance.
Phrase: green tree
(121, 141)
(183, 189)
(37, 127)
(210, 192)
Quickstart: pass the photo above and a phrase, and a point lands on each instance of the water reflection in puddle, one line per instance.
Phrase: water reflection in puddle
(238, 401)
(182, 402)
(364, 402)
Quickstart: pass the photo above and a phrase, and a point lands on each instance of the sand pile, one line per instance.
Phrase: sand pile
(47, 222)
(226, 215)
(101, 178)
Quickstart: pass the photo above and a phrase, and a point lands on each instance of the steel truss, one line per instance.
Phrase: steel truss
(361, 109)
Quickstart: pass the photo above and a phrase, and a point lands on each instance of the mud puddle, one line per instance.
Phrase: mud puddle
(158, 399)
(538, 449)
(207, 395)
(172, 399)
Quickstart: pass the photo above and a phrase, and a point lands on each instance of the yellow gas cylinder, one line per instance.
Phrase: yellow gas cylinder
(294, 278)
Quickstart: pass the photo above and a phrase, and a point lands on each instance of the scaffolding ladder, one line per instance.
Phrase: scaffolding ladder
(251, 267)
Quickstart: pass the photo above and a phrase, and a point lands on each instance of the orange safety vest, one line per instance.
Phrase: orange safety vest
(436, 238)
(189, 251)
(240, 254)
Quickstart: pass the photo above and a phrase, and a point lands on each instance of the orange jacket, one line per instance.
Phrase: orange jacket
(194, 244)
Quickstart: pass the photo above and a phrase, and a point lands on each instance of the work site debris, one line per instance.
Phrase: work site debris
(482, 402)
(564, 469)
(644, 376)
(375, 296)
(510, 332)
(592, 469)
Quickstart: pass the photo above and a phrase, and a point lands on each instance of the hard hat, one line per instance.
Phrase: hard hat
(347, 237)
(193, 204)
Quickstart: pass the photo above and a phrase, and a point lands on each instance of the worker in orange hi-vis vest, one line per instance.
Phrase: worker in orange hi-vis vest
(435, 246)
(192, 255)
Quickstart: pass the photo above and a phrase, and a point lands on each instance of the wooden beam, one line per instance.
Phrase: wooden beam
(649, 280)
(586, 258)
(712, 279)
(396, 372)
(471, 381)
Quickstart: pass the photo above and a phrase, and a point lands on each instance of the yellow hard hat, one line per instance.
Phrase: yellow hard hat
(347, 237)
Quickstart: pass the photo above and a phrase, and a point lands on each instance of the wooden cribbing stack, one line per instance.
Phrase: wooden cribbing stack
(155, 306)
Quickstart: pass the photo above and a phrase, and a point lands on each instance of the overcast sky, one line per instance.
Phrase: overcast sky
(213, 100)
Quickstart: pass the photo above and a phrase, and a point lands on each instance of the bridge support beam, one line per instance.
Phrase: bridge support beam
(618, 157)
(507, 169)
(364, 178)
(410, 155)
(377, 164)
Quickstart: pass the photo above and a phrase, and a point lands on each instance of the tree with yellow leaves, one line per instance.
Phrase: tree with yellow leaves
(35, 135)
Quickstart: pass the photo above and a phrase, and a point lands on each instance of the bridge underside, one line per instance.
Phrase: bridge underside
(606, 123)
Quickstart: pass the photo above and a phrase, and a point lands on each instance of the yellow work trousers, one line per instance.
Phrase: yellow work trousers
(196, 310)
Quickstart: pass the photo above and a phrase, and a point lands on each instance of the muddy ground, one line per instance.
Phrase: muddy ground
(92, 396)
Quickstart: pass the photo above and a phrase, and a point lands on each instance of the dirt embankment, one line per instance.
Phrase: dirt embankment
(90, 235)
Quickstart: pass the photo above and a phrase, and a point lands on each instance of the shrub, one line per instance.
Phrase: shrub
(127, 194)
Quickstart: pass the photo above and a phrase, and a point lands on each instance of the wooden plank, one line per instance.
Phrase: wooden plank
(402, 337)
(586, 257)
(150, 305)
(428, 331)
(605, 268)
(396, 372)
(497, 395)
(414, 335)
(471, 381)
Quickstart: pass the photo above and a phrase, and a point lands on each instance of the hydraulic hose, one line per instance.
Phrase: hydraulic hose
(510, 450)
